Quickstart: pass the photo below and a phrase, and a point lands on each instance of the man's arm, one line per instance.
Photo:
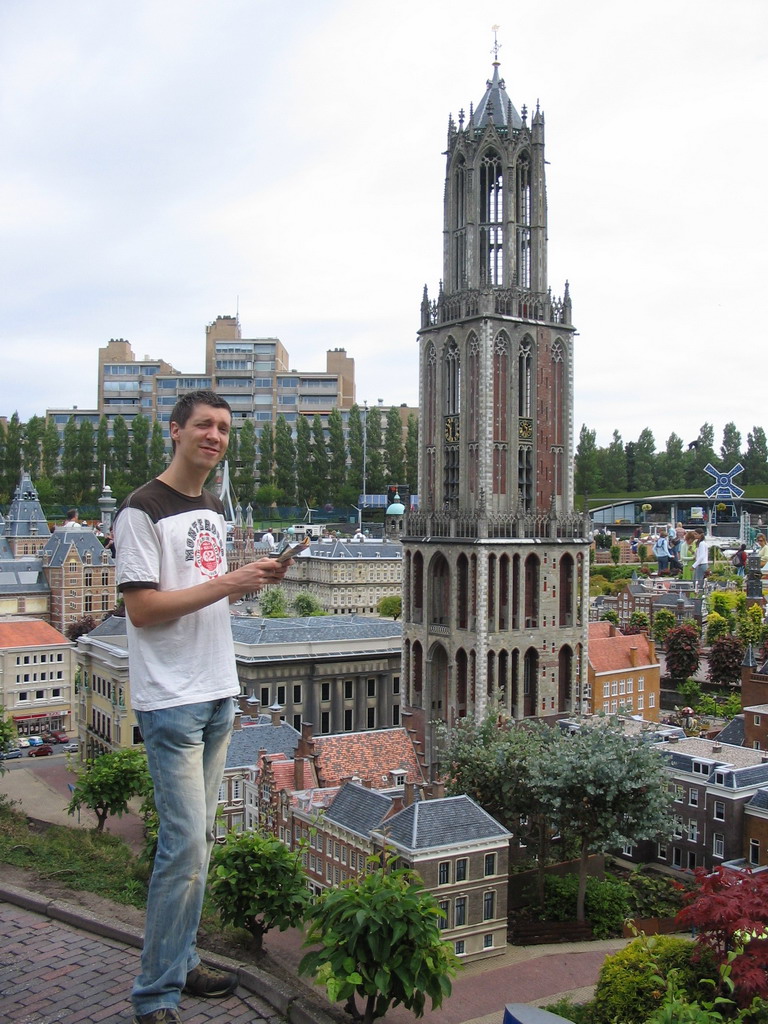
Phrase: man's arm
(147, 606)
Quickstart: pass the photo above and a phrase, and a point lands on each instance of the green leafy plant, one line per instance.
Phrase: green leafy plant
(627, 989)
(606, 904)
(257, 883)
(273, 603)
(379, 940)
(390, 607)
(105, 784)
(717, 626)
(663, 621)
(610, 616)
(306, 605)
(615, 552)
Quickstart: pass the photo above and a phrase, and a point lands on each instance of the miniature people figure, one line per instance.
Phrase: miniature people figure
(701, 561)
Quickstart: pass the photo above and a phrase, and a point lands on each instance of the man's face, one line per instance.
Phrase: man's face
(203, 440)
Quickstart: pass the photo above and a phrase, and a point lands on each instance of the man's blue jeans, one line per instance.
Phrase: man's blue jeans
(186, 751)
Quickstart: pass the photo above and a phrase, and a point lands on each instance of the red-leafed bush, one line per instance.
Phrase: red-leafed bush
(729, 911)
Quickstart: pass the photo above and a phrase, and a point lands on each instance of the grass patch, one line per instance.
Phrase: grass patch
(78, 858)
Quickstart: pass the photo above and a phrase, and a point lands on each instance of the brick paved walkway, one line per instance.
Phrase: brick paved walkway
(51, 973)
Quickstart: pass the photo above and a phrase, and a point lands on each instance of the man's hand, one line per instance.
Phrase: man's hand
(149, 607)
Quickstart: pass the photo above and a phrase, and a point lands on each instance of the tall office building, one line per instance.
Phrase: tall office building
(495, 570)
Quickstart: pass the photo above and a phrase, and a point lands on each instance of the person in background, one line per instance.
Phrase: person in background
(661, 552)
(701, 561)
(762, 548)
(268, 539)
(72, 520)
(172, 571)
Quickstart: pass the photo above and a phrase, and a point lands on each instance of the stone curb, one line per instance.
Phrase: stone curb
(295, 1009)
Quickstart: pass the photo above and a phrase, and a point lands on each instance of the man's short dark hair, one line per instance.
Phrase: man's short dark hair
(71, 514)
(185, 405)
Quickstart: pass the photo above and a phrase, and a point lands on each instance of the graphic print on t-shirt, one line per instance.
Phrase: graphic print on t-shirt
(204, 547)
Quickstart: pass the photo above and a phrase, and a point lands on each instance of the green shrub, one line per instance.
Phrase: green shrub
(578, 1013)
(606, 905)
(653, 895)
(626, 990)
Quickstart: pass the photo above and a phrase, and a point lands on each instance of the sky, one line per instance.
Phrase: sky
(163, 162)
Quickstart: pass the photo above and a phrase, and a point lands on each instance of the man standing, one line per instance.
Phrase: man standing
(701, 561)
(170, 537)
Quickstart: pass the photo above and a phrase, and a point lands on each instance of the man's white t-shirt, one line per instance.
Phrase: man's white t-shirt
(166, 540)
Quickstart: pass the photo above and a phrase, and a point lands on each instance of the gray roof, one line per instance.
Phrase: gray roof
(344, 549)
(358, 809)
(84, 540)
(760, 799)
(246, 743)
(431, 824)
(23, 576)
(25, 516)
(733, 732)
(495, 107)
(247, 629)
(112, 626)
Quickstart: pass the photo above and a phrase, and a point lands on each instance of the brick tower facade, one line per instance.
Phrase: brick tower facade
(495, 560)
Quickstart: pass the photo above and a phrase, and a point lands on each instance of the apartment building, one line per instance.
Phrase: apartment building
(624, 674)
(37, 673)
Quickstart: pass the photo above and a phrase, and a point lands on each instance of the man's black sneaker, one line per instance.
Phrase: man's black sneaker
(209, 983)
(165, 1015)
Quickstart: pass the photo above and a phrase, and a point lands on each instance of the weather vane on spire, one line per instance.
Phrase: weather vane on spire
(496, 44)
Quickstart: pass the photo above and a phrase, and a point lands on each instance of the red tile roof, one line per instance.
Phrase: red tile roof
(29, 633)
(612, 654)
(598, 630)
(366, 756)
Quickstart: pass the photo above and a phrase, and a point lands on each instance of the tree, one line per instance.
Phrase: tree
(33, 445)
(121, 448)
(257, 883)
(614, 466)
(645, 448)
(51, 446)
(107, 783)
(756, 457)
(379, 940)
(375, 460)
(751, 625)
(246, 476)
(139, 448)
(273, 603)
(80, 627)
(640, 621)
(103, 447)
(702, 451)
(266, 456)
(69, 455)
(156, 451)
(337, 458)
(725, 657)
(304, 467)
(670, 465)
(86, 470)
(390, 606)
(610, 615)
(285, 461)
(306, 604)
(663, 621)
(730, 449)
(682, 652)
(729, 911)
(355, 443)
(394, 454)
(412, 454)
(319, 458)
(603, 788)
(587, 475)
(7, 735)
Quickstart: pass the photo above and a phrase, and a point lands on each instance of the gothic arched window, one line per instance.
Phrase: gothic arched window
(525, 378)
(491, 219)
(459, 226)
(523, 247)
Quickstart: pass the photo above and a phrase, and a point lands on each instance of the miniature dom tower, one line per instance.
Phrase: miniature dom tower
(496, 561)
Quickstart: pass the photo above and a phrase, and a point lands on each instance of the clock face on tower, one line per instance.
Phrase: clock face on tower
(525, 429)
(452, 429)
